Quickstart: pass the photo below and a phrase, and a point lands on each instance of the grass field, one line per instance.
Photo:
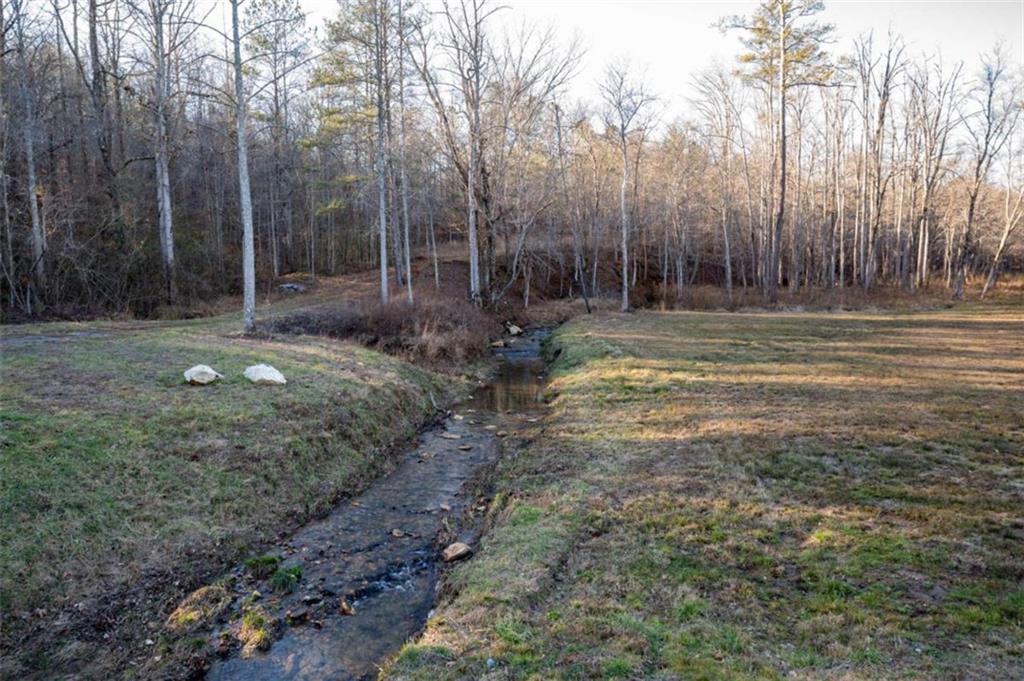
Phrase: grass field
(734, 496)
(122, 488)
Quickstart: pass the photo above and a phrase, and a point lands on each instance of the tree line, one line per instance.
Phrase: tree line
(154, 153)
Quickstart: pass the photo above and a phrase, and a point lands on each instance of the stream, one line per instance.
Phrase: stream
(380, 552)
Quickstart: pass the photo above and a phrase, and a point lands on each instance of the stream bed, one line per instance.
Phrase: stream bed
(380, 553)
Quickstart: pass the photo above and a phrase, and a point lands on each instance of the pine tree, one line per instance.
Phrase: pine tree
(784, 51)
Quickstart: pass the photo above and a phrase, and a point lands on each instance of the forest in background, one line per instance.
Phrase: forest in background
(399, 128)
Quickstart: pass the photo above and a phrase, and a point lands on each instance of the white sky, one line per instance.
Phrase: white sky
(672, 40)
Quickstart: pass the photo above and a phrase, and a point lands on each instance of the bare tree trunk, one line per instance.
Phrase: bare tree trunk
(382, 201)
(577, 248)
(37, 270)
(780, 215)
(993, 272)
(162, 160)
(1012, 216)
(433, 245)
(8, 255)
(245, 194)
(401, 149)
(624, 216)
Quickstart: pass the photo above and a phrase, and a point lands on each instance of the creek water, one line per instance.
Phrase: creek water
(380, 553)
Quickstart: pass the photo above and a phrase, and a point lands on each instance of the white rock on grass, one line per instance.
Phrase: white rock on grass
(264, 374)
(201, 374)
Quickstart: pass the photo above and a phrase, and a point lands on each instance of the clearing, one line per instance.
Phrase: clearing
(718, 496)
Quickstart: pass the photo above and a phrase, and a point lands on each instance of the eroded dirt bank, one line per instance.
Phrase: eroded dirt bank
(370, 569)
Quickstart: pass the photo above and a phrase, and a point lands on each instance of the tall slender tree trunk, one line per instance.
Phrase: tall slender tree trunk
(401, 149)
(780, 215)
(579, 273)
(37, 269)
(624, 215)
(245, 194)
(1012, 217)
(382, 200)
(433, 244)
(162, 161)
(997, 259)
(474, 247)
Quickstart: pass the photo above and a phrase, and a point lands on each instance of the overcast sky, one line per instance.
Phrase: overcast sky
(674, 39)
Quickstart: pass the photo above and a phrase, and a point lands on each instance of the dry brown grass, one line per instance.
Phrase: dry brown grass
(433, 328)
(758, 495)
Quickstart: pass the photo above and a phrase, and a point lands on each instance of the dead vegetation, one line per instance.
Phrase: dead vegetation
(750, 495)
(434, 328)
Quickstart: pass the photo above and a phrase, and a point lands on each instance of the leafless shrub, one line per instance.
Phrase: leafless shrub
(434, 328)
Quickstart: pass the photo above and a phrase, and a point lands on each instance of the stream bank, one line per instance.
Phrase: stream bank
(379, 555)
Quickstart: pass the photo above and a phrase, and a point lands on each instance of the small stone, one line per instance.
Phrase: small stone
(456, 551)
(149, 641)
(501, 433)
(498, 344)
(513, 330)
(345, 609)
(451, 436)
(296, 617)
(465, 448)
(398, 534)
(445, 507)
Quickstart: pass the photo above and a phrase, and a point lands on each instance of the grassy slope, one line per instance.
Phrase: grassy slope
(719, 496)
(118, 482)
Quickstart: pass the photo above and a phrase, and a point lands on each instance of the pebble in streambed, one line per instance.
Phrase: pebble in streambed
(370, 569)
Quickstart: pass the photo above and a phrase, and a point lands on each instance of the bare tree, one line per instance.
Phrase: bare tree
(244, 191)
(886, 179)
(37, 269)
(877, 79)
(166, 26)
(989, 122)
(627, 110)
(277, 38)
(932, 105)
(1013, 211)
(380, 18)
(785, 50)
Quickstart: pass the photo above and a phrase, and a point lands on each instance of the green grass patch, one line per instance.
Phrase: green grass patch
(111, 466)
(758, 496)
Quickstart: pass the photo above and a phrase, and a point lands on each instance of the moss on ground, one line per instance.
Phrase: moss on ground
(737, 496)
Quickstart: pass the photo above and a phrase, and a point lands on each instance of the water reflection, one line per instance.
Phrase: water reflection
(389, 579)
(517, 387)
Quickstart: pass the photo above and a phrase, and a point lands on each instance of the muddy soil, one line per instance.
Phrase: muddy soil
(380, 553)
